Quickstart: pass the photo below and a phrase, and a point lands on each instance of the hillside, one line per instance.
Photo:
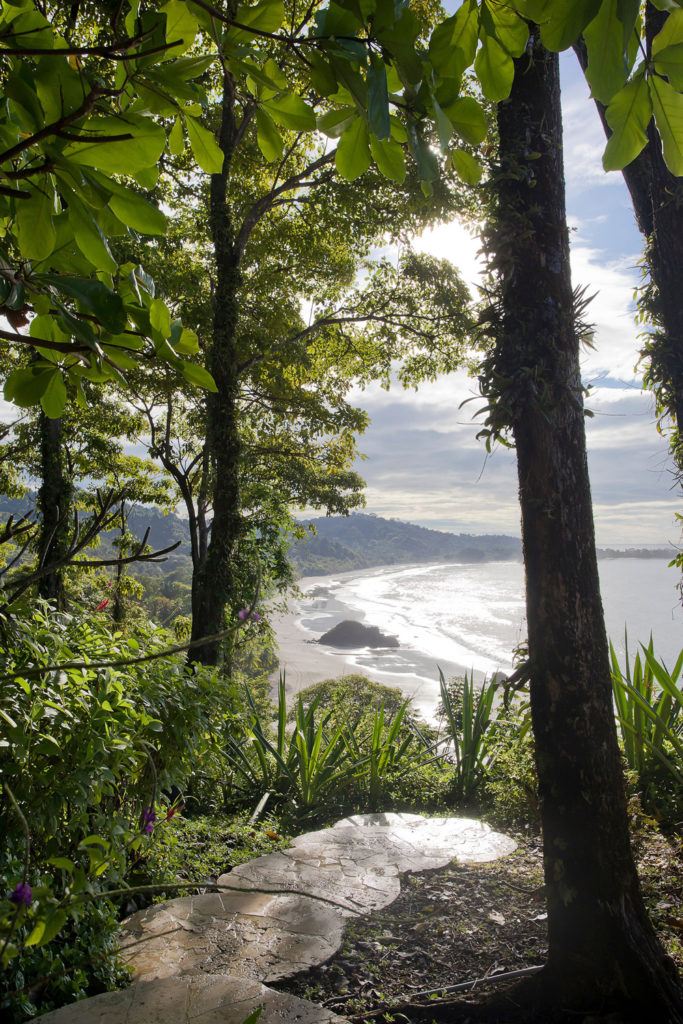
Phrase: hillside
(362, 541)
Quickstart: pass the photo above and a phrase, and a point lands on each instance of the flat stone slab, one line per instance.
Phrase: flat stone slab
(245, 934)
(202, 999)
(204, 959)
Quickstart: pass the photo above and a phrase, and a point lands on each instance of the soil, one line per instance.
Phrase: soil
(468, 926)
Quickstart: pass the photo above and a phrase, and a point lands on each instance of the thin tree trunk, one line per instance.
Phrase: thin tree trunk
(213, 583)
(54, 503)
(603, 953)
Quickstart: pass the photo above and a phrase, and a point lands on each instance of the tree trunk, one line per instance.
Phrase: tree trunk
(213, 582)
(54, 503)
(603, 953)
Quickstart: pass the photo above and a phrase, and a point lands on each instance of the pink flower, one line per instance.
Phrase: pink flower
(103, 604)
(243, 615)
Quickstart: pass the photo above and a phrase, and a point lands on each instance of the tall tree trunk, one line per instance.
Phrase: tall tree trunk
(603, 953)
(54, 503)
(213, 582)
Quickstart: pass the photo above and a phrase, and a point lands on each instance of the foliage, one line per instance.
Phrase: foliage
(469, 722)
(81, 108)
(84, 755)
(511, 784)
(323, 764)
(649, 702)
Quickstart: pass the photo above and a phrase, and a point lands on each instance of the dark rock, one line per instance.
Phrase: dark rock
(354, 634)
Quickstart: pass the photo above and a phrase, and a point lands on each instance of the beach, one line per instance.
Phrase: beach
(455, 617)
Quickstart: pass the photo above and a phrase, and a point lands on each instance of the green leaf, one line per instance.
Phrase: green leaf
(36, 934)
(468, 119)
(671, 33)
(335, 122)
(323, 78)
(494, 69)
(606, 72)
(207, 152)
(62, 862)
(200, 377)
(566, 22)
(511, 31)
(176, 139)
(160, 318)
(669, 62)
(667, 105)
(180, 24)
(53, 398)
(466, 167)
(266, 16)
(628, 115)
(353, 156)
(427, 164)
(290, 111)
(268, 137)
(453, 42)
(25, 387)
(142, 150)
(89, 237)
(378, 99)
(137, 213)
(94, 296)
(388, 155)
(35, 230)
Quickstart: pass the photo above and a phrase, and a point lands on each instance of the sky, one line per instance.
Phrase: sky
(423, 463)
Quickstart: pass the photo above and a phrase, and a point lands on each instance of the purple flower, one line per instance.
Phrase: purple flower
(22, 894)
(148, 819)
(243, 615)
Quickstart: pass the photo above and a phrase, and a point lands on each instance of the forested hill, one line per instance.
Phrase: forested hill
(362, 541)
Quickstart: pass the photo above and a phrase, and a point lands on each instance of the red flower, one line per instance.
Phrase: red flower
(103, 604)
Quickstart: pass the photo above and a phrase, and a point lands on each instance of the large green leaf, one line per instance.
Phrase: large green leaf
(265, 17)
(25, 387)
(176, 139)
(671, 33)
(94, 297)
(667, 105)
(137, 143)
(180, 24)
(198, 376)
(290, 111)
(53, 398)
(425, 158)
(567, 20)
(206, 150)
(453, 42)
(494, 68)
(606, 72)
(335, 122)
(466, 167)
(35, 229)
(89, 237)
(268, 137)
(510, 30)
(378, 99)
(388, 155)
(468, 119)
(353, 155)
(628, 116)
(669, 62)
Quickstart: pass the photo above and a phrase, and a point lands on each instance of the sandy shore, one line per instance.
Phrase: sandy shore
(304, 662)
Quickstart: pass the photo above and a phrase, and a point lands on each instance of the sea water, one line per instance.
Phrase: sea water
(471, 617)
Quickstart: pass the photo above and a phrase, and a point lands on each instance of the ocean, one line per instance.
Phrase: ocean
(471, 617)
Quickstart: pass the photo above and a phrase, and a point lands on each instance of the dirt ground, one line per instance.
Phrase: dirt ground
(467, 926)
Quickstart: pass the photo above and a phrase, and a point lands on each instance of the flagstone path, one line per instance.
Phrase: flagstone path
(208, 959)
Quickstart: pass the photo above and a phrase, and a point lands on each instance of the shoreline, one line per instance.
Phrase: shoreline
(305, 662)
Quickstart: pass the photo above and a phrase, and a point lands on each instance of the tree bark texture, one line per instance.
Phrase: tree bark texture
(213, 581)
(603, 953)
(54, 503)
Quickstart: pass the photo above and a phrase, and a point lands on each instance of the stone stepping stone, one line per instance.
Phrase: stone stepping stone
(204, 959)
(201, 999)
